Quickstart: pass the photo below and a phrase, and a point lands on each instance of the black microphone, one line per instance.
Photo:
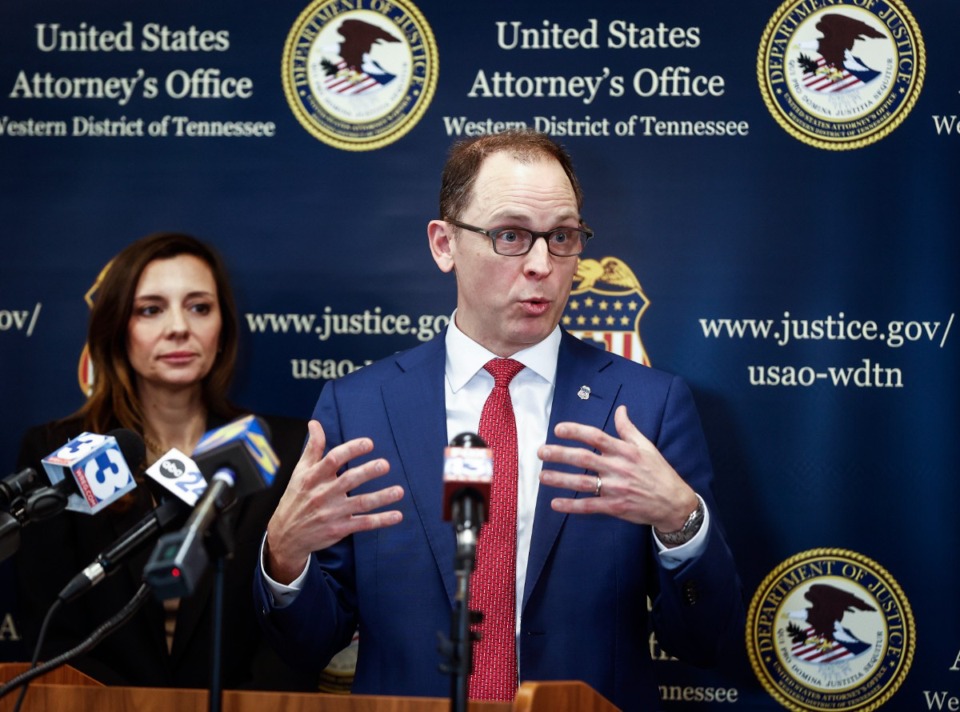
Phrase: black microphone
(240, 461)
(86, 475)
(179, 475)
(13, 515)
(17, 484)
(129, 543)
(467, 476)
(180, 558)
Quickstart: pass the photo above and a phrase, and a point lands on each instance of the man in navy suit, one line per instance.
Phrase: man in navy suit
(614, 500)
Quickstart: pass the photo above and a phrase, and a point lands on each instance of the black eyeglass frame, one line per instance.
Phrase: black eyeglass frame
(585, 232)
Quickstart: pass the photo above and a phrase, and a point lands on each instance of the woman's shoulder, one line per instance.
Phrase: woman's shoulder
(67, 428)
(38, 441)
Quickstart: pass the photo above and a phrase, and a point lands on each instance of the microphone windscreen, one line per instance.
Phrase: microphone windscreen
(132, 446)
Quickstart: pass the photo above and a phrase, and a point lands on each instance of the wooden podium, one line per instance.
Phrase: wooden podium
(68, 690)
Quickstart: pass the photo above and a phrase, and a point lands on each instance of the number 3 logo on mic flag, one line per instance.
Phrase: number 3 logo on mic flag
(97, 465)
(80, 446)
(106, 473)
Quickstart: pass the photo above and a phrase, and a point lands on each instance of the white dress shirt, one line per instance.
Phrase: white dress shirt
(467, 386)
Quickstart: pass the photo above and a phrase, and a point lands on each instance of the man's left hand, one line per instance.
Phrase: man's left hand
(634, 480)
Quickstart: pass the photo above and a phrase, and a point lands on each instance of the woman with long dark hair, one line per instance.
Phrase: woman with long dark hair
(162, 340)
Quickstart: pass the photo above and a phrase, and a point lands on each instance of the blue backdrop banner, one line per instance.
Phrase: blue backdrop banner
(773, 187)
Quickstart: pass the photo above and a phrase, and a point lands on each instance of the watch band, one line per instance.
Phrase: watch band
(687, 531)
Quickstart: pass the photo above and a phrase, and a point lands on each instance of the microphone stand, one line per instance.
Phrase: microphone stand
(216, 657)
(458, 648)
(461, 638)
(220, 546)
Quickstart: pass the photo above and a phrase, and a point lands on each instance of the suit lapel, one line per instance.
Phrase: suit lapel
(578, 365)
(415, 406)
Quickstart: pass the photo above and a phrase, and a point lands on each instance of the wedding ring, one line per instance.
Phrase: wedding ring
(596, 492)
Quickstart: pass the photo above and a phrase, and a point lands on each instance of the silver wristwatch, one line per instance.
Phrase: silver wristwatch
(687, 531)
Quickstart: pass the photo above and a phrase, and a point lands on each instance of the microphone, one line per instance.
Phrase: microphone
(467, 476)
(86, 475)
(13, 516)
(179, 475)
(239, 460)
(17, 484)
(90, 471)
(243, 446)
(129, 543)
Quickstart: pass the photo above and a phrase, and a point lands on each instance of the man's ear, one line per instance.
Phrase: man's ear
(440, 236)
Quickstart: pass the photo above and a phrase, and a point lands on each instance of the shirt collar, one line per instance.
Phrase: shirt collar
(465, 357)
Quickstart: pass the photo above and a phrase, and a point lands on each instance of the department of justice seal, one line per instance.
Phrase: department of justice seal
(359, 74)
(841, 74)
(605, 305)
(830, 629)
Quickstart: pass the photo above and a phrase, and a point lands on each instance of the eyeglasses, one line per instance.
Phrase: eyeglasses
(517, 241)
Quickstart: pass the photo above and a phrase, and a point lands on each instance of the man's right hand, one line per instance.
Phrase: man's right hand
(315, 512)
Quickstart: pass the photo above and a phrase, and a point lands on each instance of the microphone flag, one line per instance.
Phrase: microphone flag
(96, 463)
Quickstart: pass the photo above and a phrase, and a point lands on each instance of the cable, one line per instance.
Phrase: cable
(38, 647)
(94, 639)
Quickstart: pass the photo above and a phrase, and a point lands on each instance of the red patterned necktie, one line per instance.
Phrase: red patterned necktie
(494, 581)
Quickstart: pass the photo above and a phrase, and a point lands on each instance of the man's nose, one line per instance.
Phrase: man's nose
(539, 261)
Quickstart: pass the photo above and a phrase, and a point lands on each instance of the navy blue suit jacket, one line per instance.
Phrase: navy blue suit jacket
(584, 615)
